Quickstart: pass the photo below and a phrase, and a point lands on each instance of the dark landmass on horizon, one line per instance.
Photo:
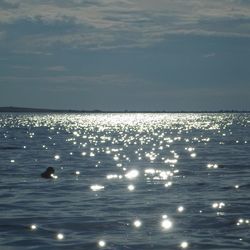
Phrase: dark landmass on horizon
(43, 110)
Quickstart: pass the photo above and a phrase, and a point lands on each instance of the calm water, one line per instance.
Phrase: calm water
(125, 181)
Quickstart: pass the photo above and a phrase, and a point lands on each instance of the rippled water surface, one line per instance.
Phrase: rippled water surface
(125, 181)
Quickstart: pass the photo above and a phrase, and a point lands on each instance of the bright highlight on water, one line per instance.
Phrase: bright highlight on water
(137, 223)
(33, 227)
(60, 236)
(102, 243)
(125, 181)
(166, 224)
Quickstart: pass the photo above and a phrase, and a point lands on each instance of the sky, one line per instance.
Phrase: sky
(125, 54)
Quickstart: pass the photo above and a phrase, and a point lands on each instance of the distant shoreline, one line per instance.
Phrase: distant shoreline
(41, 110)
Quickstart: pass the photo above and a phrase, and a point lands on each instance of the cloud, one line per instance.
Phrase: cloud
(29, 52)
(5, 4)
(57, 68)
(21, 67)
(79, 81)
(110, 24)
(209, 55)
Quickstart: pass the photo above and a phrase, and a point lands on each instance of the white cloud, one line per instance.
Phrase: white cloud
(21, 67)
(57, 68)
(73, 80)
(111, 24)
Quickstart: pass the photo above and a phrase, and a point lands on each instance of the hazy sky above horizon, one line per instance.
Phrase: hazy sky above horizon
(124, 54)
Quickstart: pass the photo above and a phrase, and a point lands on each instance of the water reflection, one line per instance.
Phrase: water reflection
(180, 209)
(101, 243)
(218, 205)
(131, 187)
(137, 223)
(132, 174)
(130, 166)
(33, 227)
(96, 187)
(57, 157)
(184, 244)
(60, 236)
(166, 224)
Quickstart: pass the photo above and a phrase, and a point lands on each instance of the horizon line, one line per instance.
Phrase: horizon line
(15, 109)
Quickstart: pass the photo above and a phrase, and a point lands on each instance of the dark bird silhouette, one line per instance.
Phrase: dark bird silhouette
(48, 173)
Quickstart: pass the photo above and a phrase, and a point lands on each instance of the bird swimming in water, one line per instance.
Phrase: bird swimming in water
(48, 173)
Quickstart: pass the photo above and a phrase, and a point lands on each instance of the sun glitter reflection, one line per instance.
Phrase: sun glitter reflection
(33, 227)
(101, 243)
(242, 221)
(60, 236)
(96, 187)
(166, 224)
(132, 174)
(150, 171)
(112, 176)
(54, 176)
(168, 184)
(137, 223)
(137, 138)
(212, 166)
(184, 244)
(57, 157)
(218, 205)
(180, 209)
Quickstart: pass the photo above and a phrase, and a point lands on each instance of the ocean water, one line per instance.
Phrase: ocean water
(125, 181)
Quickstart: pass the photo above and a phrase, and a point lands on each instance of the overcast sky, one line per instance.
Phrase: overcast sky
(125, 54)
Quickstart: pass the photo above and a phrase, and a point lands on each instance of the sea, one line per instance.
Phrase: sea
(125, 181)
